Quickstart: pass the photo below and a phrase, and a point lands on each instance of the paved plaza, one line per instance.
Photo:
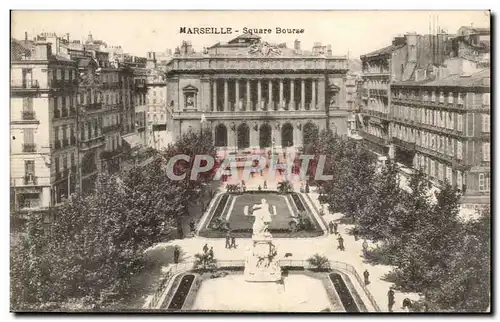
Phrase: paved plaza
(301, 249)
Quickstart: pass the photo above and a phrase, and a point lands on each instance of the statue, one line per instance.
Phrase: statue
(261, 264)
(190, 102)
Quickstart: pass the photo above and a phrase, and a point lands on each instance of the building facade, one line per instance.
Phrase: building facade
(252, 94)
(70, 109)
(427, 107)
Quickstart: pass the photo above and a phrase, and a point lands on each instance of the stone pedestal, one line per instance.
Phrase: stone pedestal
(261, 263)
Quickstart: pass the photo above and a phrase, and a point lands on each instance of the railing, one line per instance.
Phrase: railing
(93, 106)
(24, 83)
(28, 115)
(29, 147)
(30, 179)
(184, 267)
(111, 128)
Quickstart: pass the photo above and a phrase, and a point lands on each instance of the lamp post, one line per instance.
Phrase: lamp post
(272, 152)
(203, 120)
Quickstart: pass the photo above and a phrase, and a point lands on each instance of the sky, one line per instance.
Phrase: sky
(352, 33)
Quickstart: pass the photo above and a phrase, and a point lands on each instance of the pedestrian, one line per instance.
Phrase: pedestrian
(390, 298)
(233, 241)
(205, 249)
(228, 245)
(341, 243)
(259, 188)
(192, 225)
(176, 254)
(335, 227)
(365, 249)
(265, 184)
(261, 173)
(355, 233)
(330, 225)
(211, 253)
(366, 275)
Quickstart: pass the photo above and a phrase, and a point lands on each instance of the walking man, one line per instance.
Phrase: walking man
(335, 227)
(390, 298)
(228, 245)
(365, 249)
(341, 243)
(330, 225)
(192, 225)
(233, 241)
(177, 253)
(265, 184)
(366, 275)
(211, 253)
(205, 249)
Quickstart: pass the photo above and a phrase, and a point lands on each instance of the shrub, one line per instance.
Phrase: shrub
(319, 262)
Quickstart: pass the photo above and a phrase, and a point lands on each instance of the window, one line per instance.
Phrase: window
(29, 168)
(486, 123)
(433, 96)
(450, 98)
(425, 96)
(29, 137)
(459, 150)
(433, 168)
(460, 123)
(484, 182)
(486, 151)
(460, 99)
(449, 173)
(440, 172)
(67, 74)
(459, 180)
(441, 97)
(486, 99)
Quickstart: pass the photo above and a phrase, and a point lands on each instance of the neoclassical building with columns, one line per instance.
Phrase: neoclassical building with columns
(252, 94)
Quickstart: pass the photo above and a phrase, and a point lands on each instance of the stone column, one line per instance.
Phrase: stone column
(226, 102)
(281, 95)
(292, 96)
(302, 94)
(259, 94)
(214, 95)
(321, 94)
(237, 94)
(249, 107)
(313, 99)
(270, 105)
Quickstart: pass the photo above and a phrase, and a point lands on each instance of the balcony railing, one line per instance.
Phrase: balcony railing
(30, 179)
(24, 84)
(384, 140)
(111, 128)
(30, 204)
(29, 147)
(93, 106)
(410, 146)
(28, 115)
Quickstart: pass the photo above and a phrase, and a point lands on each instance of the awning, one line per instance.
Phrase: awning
(133, 140)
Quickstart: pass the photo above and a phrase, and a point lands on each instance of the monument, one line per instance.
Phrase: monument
(261, 263)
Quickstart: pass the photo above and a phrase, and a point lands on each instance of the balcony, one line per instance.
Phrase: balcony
(381, 115)
(111, 128)
(30, 179)
(92, 107)
(24, 84)
(435, 154)
(28, 115)
(92, 143)
(384, 140)
(107, 155)
(409, 146)
(29, 147)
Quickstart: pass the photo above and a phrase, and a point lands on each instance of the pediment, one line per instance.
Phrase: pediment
(189, 88)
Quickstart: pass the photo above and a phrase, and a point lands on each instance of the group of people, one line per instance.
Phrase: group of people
(210, 252)
(333, 228)
(230, 240)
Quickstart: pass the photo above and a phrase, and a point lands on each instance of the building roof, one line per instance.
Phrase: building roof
(19, 48)
(246, 37)
(480, 78)
(381, 52)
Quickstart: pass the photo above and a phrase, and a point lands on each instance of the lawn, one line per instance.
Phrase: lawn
(241, 225)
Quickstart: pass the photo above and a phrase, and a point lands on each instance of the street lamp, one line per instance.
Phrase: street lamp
(272, 152)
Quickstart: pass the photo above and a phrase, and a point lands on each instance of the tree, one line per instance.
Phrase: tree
(319, 262)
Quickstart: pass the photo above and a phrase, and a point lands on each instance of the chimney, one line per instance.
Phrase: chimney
(67, 37)
(296, 44)
(42, 51)
(26, 36)
(329, 50)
